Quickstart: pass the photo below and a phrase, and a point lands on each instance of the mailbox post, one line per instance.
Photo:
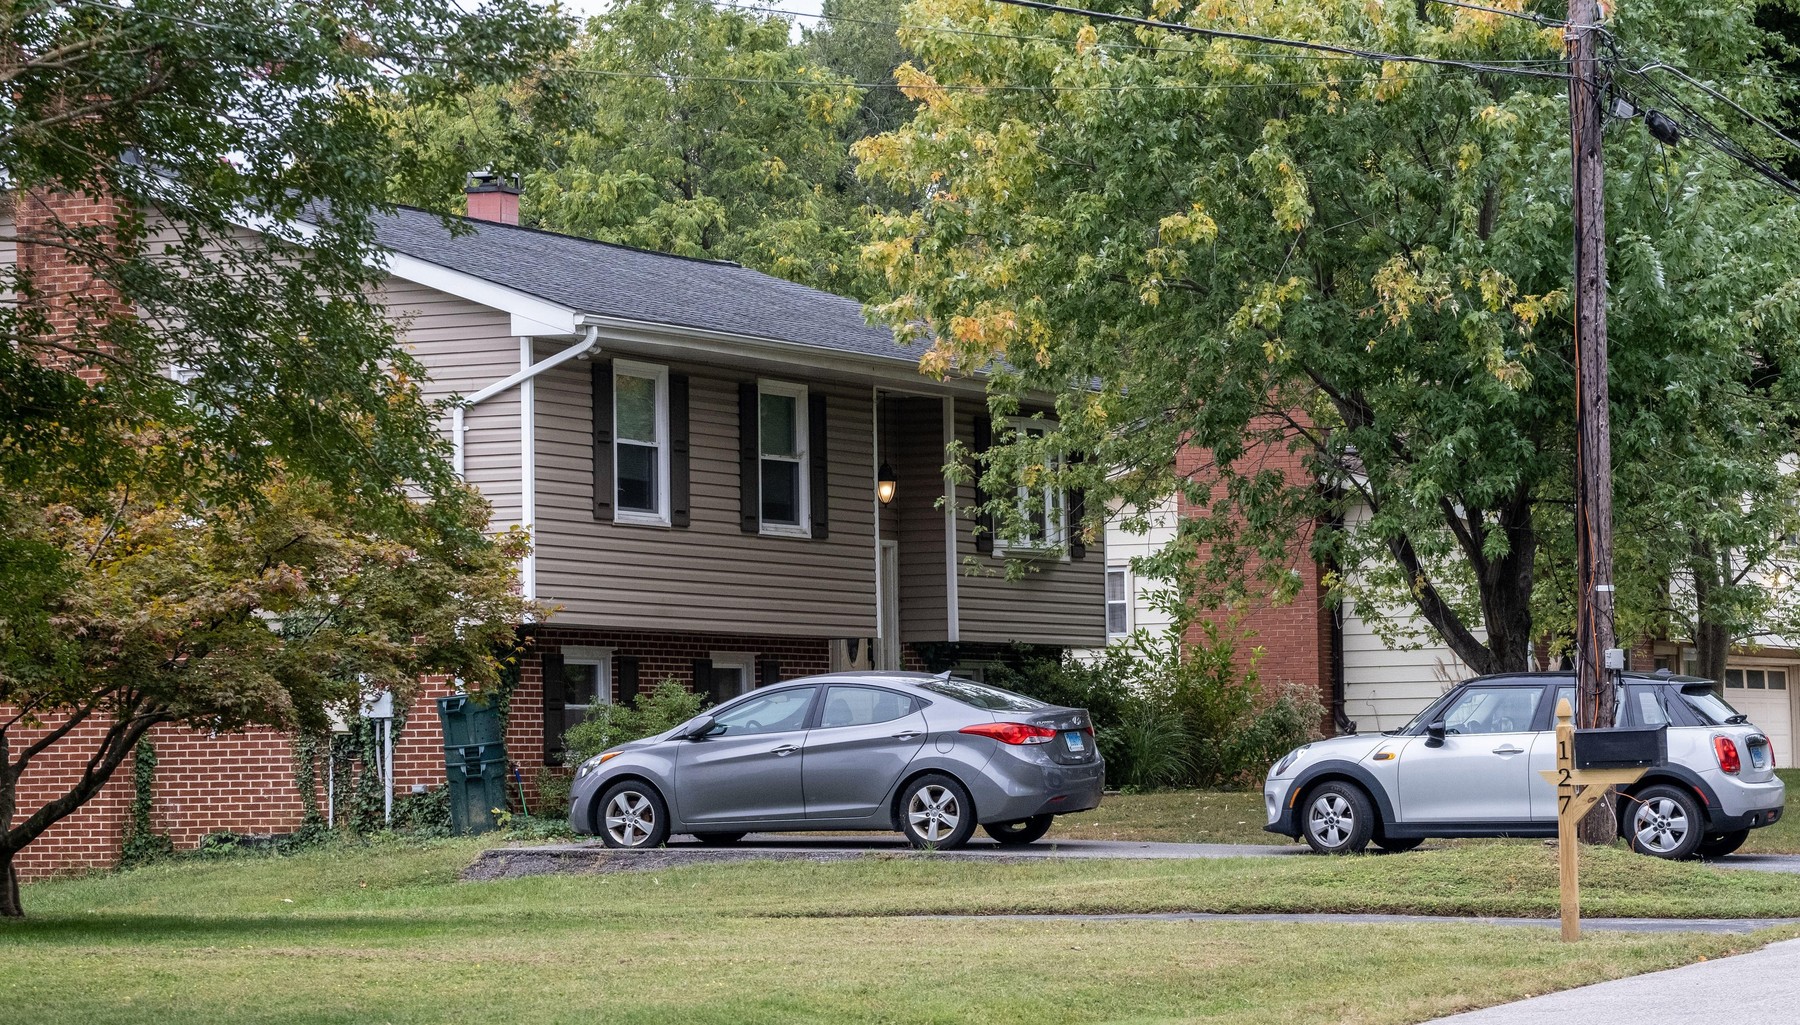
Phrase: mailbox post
(1577, 791)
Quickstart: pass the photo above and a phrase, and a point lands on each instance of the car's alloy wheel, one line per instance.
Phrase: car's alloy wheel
(1019, 833)
(1664, 822)
(936, 812)
(633, 816)
(1339, 819)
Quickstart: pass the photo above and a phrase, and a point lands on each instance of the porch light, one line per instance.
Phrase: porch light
(885, 483)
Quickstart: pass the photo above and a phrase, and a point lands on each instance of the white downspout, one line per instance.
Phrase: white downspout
(528, 468)
(523, 378)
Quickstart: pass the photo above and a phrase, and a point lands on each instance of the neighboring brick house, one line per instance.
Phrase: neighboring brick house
(1369, 684)
(695, 448)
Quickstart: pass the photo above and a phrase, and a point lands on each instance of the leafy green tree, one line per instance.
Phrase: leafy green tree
(1243, 251)
(858, 40)
(706, 132)
(222, 498)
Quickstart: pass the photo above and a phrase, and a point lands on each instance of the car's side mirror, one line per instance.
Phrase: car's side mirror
(701, 727)
(1434, 734)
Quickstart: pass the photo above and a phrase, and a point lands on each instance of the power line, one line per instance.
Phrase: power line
(1536, 19)
(1301, 44)
(1027, 37)
(1319, 83)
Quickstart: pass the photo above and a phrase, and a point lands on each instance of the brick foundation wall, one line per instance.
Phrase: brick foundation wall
(245, 782)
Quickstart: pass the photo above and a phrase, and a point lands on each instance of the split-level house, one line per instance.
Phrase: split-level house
(698, 451)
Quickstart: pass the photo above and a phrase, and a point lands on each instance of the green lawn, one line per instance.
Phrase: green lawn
(386, 934)
(1207, 816)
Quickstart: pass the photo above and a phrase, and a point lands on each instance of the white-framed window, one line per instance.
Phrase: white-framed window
(640, 443)
(587, 681)
(1118, 602)
(1044, 510)
(785, 474)
(734, 673)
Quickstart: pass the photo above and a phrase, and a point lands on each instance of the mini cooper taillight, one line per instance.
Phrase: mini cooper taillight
(1726, 750)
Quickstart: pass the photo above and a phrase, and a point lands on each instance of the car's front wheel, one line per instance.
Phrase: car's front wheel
(1024, 831)
(633, 816)
(1717, 845)
(1339, 819)
(1665, 822)
(936, 813)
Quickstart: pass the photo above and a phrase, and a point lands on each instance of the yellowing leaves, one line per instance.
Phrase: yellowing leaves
(1086, 39)
(1191, 228)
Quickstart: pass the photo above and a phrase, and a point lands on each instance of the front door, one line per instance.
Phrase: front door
(1481, 773)
(865, 739)
(748, 768)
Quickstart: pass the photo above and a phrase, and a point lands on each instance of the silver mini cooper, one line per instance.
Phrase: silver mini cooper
(1468, 766)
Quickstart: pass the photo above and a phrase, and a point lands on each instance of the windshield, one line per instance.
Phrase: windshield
(981, 695)
(1425, 715)
(1712, 708)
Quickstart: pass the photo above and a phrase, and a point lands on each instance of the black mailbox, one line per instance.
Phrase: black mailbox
(1621, 748)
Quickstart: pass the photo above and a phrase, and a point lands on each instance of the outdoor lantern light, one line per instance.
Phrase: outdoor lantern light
(885, 483)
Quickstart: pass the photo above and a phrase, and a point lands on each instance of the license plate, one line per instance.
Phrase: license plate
(1077, 742)
(1759, 756)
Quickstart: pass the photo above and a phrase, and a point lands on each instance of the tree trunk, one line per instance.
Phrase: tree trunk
(1712, 641)
(9, 887)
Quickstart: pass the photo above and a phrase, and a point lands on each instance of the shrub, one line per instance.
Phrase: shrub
(553, 792)
(424, 815)
(606, 726)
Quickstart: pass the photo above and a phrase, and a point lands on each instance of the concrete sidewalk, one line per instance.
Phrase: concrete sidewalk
(1760, 986)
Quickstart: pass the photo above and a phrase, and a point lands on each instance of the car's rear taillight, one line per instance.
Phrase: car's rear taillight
(1011, 732)
(1727, 752)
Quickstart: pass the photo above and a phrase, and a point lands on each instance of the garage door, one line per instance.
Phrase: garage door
(1761, 693)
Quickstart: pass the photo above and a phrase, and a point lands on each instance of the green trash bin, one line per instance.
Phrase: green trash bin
(476, 789)
(474, 762)
(468, 720)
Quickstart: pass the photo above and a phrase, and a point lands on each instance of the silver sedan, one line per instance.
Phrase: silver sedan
(929, 756)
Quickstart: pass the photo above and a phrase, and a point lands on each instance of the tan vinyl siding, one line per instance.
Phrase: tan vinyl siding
(465, 347)
(709, 576)
(916, 433)
(1059, 601)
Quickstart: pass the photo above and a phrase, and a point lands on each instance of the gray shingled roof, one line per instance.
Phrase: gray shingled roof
(637, 284)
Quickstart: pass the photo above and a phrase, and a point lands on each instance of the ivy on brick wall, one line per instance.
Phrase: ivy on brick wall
(142, 843)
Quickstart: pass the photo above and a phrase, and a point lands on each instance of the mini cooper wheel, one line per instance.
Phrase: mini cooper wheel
(633, 816)
(1717, 845)
(1017, 834)
(935, 812)
(1339, 819)
(1664, 822)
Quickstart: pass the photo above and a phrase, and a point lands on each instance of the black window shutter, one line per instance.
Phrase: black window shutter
(749, 460)
(703, 680)
(551, 668)
(679, 514)
(1077, 511)
(768, 670)
(628, 679)
(603, 439)
(819, 465)
(984, 440)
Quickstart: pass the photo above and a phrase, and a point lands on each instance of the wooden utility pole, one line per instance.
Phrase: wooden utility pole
(1593, 445)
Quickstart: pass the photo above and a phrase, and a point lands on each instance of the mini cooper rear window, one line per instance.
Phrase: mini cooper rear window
(1712, 709)
(980, 695)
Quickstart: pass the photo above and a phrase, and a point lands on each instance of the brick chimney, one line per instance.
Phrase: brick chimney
(492, 197)
(74, 301)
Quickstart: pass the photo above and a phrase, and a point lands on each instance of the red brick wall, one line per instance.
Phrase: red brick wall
(73, 298)
(245, 782)
(1296, 635)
